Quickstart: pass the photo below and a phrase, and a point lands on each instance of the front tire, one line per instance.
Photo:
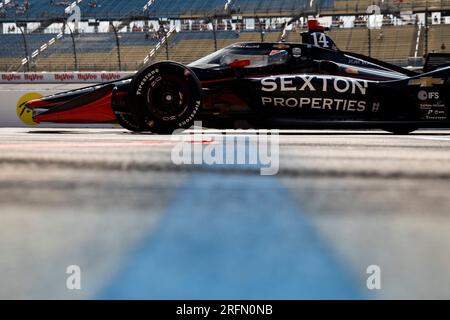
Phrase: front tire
(165, 96)
(128, 122)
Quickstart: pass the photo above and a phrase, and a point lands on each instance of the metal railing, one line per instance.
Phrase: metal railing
(352, 7)
(69, 67)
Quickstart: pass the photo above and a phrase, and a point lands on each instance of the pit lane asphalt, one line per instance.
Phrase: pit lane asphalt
(140, 226)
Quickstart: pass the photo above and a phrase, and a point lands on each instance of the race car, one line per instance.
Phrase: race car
(263, 85)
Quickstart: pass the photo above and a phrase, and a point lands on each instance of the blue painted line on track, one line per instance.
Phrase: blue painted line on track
(232, 237)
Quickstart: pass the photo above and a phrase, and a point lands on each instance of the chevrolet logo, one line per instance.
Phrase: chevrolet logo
(425, 82)
(281, 46)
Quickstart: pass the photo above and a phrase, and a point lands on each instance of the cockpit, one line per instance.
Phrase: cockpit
(242, 56)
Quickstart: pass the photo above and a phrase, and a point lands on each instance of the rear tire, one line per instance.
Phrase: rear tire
(165, 96)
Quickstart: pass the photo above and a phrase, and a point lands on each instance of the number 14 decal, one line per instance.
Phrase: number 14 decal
(320, 40)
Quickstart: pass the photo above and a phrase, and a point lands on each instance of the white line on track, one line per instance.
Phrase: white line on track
(430, 138)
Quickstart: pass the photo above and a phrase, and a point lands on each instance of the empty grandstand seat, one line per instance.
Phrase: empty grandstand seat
(186, 47)
(12, 48)
(112, 9)
(97, 52)
(180, 8)
(38, 10)
(439, 38)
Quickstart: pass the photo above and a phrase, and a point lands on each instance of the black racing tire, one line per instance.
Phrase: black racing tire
(165, 96)
(127, 121)
(400, 130)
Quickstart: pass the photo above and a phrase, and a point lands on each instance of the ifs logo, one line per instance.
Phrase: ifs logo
(424, 95)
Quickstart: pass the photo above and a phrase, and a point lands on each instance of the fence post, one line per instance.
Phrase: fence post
(75, 58)
(118, 45)
(25, 46)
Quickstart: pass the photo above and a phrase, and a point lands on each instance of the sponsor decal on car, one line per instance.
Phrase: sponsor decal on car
(436, 114)
(354, 61)
(352, 71)
(296, 52)
(423, 95)
(425, 82)
(281, 46)
(334, 87)
(316, 103)
(246, 46)
(25, 114)
(314, 83)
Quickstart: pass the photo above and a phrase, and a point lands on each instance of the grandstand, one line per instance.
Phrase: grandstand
(42, 10)
(359, 7)
(270, 8)
(36, 10)
(12, 48)
(98, 50)
(439, 36)
(249, 8)
(186, 47)
(112, 9)
(185, 9)
(389, 43)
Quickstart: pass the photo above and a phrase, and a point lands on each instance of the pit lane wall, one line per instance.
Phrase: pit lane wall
(15, 85)
(62, 77)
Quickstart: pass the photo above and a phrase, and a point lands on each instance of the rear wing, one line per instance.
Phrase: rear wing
(436, 60)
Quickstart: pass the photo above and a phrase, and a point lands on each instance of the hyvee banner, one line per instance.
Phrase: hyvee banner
(62, 77)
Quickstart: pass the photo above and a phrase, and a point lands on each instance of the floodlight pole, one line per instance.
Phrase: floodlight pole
(261, 31)
(214, 25)
(118, 45)
(426, 31)
(25, 46)
(166, 42)
(75, 58)
(163, 36)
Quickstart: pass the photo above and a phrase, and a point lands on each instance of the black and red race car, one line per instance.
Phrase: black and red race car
(266, 85)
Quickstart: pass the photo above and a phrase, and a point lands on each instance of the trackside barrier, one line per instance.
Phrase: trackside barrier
(62, 77)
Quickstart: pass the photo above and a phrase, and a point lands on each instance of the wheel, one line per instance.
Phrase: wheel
(400, 130)
(165, 96)
(127, 121)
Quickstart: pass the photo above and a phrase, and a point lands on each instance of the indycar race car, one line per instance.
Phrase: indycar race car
(265, 85)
